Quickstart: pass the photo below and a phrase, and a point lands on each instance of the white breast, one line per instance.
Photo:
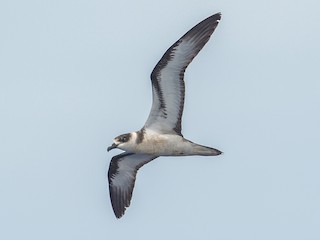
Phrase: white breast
(163, 144)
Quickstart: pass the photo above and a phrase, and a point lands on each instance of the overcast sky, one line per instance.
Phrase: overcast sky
(75, 74)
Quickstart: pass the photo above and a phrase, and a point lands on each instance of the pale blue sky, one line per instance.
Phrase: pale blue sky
(74, 74)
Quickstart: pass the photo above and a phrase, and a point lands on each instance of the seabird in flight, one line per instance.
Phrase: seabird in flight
(161, 135)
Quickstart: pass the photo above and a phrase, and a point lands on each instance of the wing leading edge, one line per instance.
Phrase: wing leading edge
(122, 175)
(168, 88)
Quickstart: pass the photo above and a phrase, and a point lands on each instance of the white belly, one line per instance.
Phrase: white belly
(164, 145)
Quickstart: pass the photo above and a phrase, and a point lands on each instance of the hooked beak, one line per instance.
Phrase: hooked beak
(112, 147)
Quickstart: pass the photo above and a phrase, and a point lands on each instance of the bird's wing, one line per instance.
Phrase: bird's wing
(167, 77)
(122, 175)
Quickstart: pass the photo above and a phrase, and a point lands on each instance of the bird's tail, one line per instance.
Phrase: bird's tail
(205, 151)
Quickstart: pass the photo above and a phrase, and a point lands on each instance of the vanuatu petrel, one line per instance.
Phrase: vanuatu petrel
(161, 135)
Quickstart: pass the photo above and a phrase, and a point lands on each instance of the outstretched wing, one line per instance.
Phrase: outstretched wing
(167, 77)
(122, 175)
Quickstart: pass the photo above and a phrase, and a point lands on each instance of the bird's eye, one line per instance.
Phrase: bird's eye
(123, 139)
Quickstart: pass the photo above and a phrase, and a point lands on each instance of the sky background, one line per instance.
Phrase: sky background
(75, 74)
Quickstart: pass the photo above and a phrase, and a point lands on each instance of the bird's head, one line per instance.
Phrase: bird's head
(123, 142)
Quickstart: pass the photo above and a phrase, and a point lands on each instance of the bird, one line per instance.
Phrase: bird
(161, 134)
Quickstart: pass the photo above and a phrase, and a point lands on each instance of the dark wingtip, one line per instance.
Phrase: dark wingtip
(118, 214)
(117, 202)
(216, 16)
(118, 211)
